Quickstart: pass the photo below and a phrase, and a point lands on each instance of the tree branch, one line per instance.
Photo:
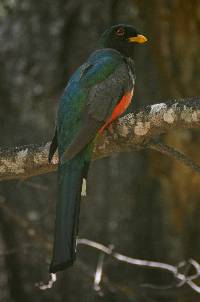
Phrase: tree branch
(174, 153)
(180, 278)
(131, 132)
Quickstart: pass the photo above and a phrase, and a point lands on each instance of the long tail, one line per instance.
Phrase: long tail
(70, 176)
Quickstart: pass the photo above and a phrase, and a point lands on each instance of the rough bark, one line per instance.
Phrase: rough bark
(131, 132)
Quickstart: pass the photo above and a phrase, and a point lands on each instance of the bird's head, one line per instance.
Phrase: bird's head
(123, 38)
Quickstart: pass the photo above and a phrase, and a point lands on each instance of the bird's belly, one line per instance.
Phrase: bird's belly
(119, 109)
(121, 106)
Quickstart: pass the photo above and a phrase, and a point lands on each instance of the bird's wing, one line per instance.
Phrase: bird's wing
(106, 81)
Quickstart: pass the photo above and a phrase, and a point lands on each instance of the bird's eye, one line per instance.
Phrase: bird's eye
(120, 31)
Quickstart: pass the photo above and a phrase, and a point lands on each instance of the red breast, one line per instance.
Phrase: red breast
(119, 109)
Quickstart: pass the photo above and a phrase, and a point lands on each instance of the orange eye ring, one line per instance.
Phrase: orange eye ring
(120, 31)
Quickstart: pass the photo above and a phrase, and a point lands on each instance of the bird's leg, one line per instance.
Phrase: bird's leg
(110, 128)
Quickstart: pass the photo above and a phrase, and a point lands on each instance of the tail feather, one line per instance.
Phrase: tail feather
(70, 176)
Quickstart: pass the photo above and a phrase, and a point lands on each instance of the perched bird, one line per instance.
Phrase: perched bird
(98, 92)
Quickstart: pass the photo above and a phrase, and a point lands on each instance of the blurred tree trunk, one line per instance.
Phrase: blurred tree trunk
(145, 204)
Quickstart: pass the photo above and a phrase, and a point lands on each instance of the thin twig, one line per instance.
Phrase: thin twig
(185, 279)
(36, 234)
(98, 274)
(176, 154)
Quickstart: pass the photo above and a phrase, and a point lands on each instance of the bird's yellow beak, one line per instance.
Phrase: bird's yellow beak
(138, 39)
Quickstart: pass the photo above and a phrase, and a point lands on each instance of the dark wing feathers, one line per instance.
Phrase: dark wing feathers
(102, 99)
(84, 136)
(104, 96)
(101, 83)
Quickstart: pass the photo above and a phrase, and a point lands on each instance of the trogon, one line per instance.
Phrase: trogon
(98, 92)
